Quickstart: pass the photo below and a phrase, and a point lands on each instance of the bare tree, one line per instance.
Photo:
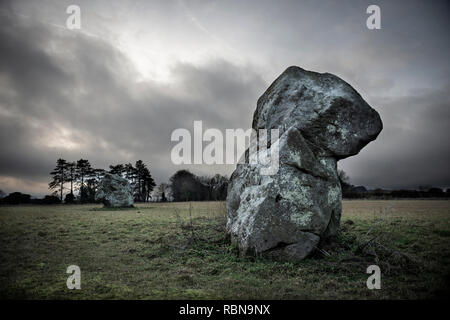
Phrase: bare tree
(162, 191)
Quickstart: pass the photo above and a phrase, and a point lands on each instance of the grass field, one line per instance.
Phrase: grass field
(179, 251)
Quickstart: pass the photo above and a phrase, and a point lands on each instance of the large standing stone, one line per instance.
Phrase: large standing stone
(115, 191)
(321, 119)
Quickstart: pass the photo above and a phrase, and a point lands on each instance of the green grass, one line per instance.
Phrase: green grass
(169, 251)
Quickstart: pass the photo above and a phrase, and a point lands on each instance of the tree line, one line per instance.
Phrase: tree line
(84, 179)
(78, 181)
(350, 191)
(186, 186)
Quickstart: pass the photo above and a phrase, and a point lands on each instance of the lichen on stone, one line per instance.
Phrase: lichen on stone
(321, 119)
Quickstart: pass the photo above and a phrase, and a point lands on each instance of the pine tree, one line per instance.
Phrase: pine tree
(140, 173)
(92, 182)
(59, 177)
(82, 172)
(148, 185)
(118, 169)
(131, 175)
(71, 167)
(144, 182)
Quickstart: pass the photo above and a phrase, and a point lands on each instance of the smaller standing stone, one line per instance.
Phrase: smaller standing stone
(115, 192)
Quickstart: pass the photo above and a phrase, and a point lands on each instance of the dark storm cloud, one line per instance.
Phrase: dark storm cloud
(62, 88)
(413, 148)
(77, 94)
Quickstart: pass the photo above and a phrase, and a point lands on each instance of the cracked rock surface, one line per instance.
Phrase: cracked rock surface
(321, 119)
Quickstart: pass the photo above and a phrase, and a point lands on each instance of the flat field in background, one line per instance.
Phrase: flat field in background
(179, 251)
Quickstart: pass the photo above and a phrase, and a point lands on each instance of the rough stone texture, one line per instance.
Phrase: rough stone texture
(115, 192)
(321, 120)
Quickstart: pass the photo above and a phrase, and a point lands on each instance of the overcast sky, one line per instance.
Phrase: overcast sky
(113, 91)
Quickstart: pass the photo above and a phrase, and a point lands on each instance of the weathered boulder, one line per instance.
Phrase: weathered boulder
(115, 191)
(321, 119)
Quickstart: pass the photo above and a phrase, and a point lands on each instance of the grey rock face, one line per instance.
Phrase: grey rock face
(115, 192)
(321, 119)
